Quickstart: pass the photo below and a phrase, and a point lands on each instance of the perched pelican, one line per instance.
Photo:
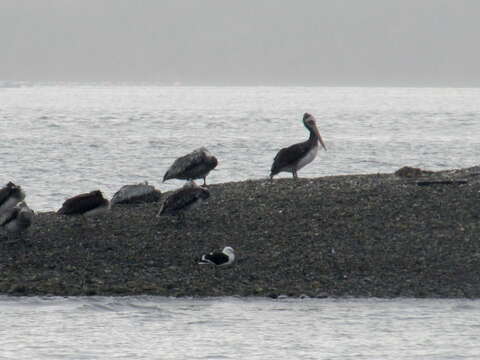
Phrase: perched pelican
(17, 219)
(195, 165)
(87, 205)
(10, 195)
(183, 199)
(219, 258)
(293, 158)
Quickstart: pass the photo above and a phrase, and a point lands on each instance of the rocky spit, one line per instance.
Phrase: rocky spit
(409, 234)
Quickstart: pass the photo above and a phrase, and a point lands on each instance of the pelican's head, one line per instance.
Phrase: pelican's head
(310, 124)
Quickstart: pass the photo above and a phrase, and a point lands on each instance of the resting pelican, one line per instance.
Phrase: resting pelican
(183, 199)
(293, 158)
(195, 165)
(17, 219)
(10, 195)
(87, 205)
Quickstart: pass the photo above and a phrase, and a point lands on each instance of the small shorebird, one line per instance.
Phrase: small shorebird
(17, 219)
(183, 199)
(222, 258)
(86, 205)
(195, 165)
(293, 158)
(10, 195)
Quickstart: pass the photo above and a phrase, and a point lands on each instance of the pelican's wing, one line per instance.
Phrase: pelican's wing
(289, 156)
(8, 215)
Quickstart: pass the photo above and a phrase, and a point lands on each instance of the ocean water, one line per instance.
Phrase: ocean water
(234, 328)
(59, 140)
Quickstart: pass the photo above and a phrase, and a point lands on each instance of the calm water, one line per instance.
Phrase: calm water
(231, 328)
(61, 140)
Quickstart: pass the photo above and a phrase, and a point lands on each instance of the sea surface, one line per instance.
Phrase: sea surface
(235, 328)
(59, 140)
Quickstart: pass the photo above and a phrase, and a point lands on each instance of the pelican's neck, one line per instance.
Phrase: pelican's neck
(313, 138)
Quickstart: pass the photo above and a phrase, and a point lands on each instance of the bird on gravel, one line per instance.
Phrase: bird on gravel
(17, 219)
(86, 205)
(222, 258)
(183, 199)
(195, 165)
(293, 158)
(10, 195)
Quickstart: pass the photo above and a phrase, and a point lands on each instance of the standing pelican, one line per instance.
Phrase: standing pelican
(293, 158)
(10, 195)
(87, 205)
(17, 219)
(195, 165)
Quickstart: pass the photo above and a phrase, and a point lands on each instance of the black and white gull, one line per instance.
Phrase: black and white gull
(222, 258)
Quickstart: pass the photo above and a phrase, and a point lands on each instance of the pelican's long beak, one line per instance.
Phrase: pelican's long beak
(320, 140)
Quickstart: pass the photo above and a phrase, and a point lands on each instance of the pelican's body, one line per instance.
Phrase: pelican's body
(10, 195)
(195, 165)
(183, 199)
(293, 158)
(17, 219)
(87, 205)
(222, 258)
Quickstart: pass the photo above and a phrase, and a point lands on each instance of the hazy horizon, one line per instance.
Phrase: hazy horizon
(272, 42)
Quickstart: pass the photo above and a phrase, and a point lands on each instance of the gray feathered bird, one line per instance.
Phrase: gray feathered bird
(10, 195)
(17, 219)
(195, 165)
(183, 199)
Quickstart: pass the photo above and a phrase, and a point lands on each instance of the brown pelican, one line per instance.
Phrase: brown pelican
(17, 219)
(10, 195)
(183, 199)
(293, 158)
(195, 165)
(136, 193)
(225, 257)
(87, 205)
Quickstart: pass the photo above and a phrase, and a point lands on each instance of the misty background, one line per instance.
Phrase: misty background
(267, 42)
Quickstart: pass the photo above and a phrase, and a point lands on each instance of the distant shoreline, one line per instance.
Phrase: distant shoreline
(414, 234)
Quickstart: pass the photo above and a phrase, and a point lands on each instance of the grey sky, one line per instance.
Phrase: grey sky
(312, 42)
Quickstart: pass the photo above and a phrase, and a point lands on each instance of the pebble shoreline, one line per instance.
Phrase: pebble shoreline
(409, 234)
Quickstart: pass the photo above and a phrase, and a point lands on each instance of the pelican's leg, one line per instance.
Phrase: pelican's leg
(294, 172)
(204, 181)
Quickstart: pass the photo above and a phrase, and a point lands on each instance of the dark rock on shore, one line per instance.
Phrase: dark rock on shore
(363, 235)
